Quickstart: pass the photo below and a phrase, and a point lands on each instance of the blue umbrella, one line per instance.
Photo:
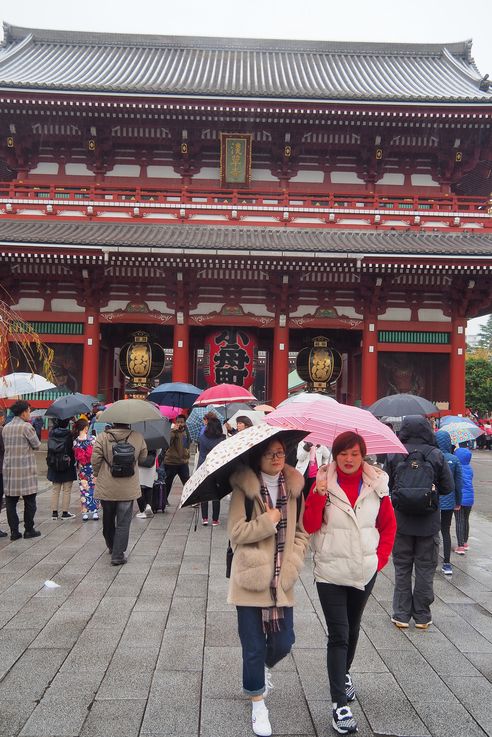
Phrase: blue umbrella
(194, 423)
(175, 394)
(455, 418)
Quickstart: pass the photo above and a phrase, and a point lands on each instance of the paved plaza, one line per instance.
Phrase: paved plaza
(151, 648)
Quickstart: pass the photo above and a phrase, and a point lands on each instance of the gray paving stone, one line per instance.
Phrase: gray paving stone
(60, 718)
(129, 674)
(448, 719)
(386, 707)
(114, 718)
(173, 706)
(181, 652)
(192, 585)
(15, 714)
(31, 675)
(475, 693)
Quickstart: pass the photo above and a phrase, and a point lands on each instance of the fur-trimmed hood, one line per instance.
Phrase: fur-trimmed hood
(246, 479)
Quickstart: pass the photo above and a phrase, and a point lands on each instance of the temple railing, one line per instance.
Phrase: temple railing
(195, 203)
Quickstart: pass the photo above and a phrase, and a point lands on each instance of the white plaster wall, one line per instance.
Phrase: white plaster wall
(65, 305)
(78, 170)
(392, 178)
(262, 175)
(164, 172)
(396, 313)
(317, 177)
(115, 304)
(345, 177)
(29, 303)
(124, 170)
(433, 316)
(205, 308)
(208, 173)
(423, 180)
(303, 310)
(45, 167)
(347, 311)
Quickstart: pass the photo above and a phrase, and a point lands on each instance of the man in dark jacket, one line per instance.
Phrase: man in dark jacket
(417, 537)
(177, 456)
(61, 468)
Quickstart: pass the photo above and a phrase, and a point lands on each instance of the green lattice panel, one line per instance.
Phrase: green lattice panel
(410, 336)
(51, 328)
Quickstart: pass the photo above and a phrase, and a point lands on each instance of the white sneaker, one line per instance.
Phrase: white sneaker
(85, 517)
(260, 721)
(148, 511)
(95, 516)
(141, 515)
(268, 682)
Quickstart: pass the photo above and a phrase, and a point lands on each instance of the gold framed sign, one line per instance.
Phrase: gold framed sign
(235, 159)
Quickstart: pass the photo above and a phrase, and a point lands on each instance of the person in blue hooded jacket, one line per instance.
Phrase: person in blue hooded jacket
(462, 515)
(448, 503)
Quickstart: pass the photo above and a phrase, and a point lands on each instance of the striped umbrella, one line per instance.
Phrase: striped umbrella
(325, 418)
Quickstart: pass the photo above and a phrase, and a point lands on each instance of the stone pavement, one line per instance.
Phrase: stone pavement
(151, 648)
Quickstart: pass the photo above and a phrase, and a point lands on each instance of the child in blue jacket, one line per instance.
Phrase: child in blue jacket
(449, 502)
(462, 516)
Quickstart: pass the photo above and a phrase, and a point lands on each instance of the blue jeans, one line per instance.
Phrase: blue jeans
(259, 648)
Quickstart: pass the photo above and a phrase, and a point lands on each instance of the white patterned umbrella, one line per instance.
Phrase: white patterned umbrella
(211, 480)
(20, 383)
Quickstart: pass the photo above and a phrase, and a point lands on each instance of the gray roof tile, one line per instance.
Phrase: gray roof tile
(239, 68)
(241, 238)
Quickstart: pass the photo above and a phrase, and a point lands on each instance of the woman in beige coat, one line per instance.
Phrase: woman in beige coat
(269, 545)
(116, 493)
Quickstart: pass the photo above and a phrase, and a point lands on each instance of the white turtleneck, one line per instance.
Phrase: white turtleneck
(271, 483)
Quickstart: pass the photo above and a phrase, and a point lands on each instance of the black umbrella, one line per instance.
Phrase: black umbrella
(400, 405)
(70, 405)
(156, 432)
(175, 394)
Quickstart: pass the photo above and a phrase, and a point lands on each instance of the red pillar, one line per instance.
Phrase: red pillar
(181, 353)
(457, 367)
(4, 351)
(369, 383)
(90, 367)
(280, 365)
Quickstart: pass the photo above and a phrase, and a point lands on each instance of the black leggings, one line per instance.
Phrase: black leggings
(446, 517)
(145, 499)
(343, 607)
(462, 525)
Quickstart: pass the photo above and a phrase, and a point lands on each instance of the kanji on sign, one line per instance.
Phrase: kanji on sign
(230, 357)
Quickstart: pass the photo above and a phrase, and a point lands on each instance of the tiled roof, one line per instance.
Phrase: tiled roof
(206, 238)
(238, 68)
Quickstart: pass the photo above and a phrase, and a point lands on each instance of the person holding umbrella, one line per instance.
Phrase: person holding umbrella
(350, 515)
(269, 546)
(211, 437)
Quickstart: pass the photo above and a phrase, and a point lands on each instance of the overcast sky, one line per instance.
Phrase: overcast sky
(418, 21)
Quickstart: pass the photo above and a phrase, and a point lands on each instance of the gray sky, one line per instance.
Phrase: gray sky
(419, 21)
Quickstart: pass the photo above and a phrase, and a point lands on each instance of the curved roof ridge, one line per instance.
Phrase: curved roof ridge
(18, 33)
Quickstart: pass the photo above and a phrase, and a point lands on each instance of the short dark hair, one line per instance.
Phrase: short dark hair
(62, 424)
(181, 417)
(347, 440)
(257, 452)
(19, 407)
(209, 416)
(245, 420)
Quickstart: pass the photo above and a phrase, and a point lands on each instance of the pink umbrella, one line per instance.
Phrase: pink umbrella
(170, 412)
(224, 394)
(325, 418)
(264, 408)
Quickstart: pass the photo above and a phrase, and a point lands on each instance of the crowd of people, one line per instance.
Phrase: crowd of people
(354, 512)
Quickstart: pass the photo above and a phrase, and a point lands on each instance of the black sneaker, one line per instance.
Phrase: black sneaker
(349, 688)
(16, 535)
(31, 533)
(118, 562)
(3, 534)
(54, 515)
(343, 720)
(67, 515)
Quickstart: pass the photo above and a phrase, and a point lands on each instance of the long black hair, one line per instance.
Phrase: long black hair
(214, 428)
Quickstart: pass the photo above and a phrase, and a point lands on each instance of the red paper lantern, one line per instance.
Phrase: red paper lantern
(230, 357)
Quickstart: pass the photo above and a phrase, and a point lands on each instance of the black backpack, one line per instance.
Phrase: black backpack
(123, 463)
(58, 458)
(414, 489)
(248, 509)
(148, 462)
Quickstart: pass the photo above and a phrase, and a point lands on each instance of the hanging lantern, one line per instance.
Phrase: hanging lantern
(141, 361)
(319, 365)
(230, 357)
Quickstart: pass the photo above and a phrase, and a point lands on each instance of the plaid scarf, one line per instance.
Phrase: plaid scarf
(272, 616)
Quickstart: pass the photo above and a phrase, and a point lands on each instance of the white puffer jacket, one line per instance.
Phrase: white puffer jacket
(345, 547)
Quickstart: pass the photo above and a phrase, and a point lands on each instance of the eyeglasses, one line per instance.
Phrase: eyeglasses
(271, 455)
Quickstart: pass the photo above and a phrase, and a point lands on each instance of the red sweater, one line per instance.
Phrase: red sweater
(385, 522)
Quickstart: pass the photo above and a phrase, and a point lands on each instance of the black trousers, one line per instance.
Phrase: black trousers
(343, 607)
(215, 510)
(29, 512)
(462, 525)
(446, 517)
(145, 499)
(182, 470)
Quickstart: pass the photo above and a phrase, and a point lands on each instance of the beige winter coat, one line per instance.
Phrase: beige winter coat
(345, 548)
(109, 487)
(253, 542)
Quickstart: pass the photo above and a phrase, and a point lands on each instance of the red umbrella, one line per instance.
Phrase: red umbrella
(224, 394)
(325, 418)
